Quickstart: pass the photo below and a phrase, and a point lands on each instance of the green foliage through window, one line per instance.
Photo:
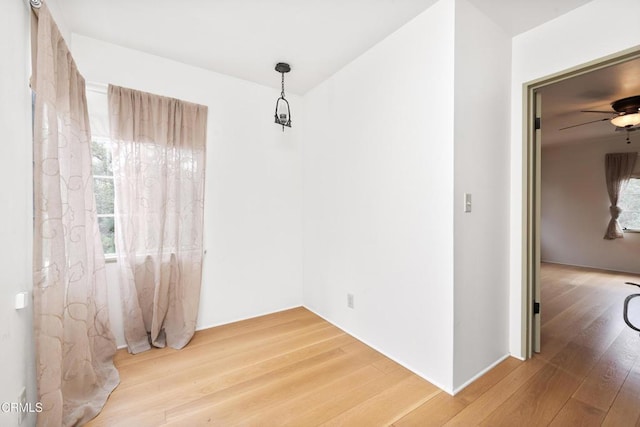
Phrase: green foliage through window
(630, 204)
(104, 192)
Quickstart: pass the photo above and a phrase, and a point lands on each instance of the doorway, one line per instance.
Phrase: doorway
(532, 156)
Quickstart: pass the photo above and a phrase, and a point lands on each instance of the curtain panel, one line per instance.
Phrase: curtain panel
(74, 343)
(159, 168)
(618, 170)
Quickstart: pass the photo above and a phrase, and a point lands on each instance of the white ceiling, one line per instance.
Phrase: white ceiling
(518, 16)
(246, 38)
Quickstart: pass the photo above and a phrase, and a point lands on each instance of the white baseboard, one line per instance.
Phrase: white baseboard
(588, 266)
(203, 327)
(481, 373)
(415, 371)
(240, 319)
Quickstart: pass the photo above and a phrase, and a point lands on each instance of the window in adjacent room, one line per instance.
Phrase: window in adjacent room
(103, 189)
(630, 204)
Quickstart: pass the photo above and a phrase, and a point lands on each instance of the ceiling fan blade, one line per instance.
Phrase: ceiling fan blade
(585, 123)
(597, 111)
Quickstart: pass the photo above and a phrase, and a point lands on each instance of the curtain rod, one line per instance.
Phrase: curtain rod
(35, 3)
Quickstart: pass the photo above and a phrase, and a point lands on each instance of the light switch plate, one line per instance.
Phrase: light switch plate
(467, 202)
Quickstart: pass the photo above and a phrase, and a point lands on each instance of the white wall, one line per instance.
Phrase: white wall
(575, 207)
(378, 196)
(253, 218)
(17, 363)
(585, 34)
(481, 237)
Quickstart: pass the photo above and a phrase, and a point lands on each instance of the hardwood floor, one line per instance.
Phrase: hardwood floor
(293, 368)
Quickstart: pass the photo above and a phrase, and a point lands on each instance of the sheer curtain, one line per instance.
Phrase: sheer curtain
(74, 344)
(618, 170)
(159, 163)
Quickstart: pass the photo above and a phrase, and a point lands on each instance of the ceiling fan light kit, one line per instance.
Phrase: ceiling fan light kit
(626, 120)
(627, 108)
(628, 117)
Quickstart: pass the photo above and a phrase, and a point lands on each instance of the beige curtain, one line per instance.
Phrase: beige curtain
(618, 170)
(74, 344)
(159, 164)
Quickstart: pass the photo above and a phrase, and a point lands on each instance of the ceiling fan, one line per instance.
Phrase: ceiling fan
(625, 115)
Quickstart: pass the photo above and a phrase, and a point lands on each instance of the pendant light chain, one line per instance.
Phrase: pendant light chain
(282, 93)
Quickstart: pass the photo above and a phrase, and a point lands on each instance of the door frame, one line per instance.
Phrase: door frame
(531, 160)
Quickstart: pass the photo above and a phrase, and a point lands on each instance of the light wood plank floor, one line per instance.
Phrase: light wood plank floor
(293, 368)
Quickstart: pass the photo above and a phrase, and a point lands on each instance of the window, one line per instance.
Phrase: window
(630, 204)
(103, 189)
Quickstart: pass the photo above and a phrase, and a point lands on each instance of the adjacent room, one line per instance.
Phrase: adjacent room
(589, 251)
(290, 212)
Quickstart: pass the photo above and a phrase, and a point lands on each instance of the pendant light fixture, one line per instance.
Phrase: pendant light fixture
(283, 112)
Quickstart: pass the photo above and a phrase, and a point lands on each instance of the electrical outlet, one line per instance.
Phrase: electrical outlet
(22, 406)
(350, 300)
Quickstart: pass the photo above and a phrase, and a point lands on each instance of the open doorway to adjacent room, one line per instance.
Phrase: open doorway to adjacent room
(575, 279)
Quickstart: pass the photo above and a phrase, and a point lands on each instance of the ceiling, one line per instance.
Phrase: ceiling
(246, 38)
(562, 103)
